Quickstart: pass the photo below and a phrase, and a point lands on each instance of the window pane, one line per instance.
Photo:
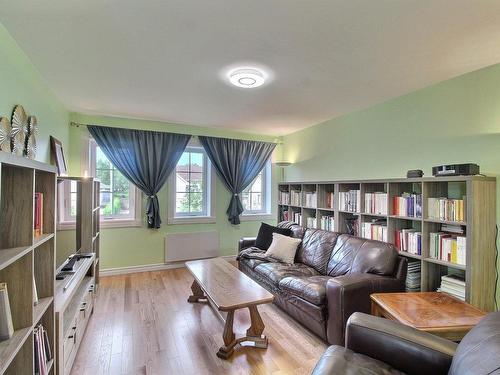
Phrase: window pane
(73, 204)
(245, 201)
(256, 185)
(196, 161)
(196, 182)
(196, 204)
(256, 203)
(121, 201)
(102, 161)
(190, 197)
(182, 203)
(106, 208)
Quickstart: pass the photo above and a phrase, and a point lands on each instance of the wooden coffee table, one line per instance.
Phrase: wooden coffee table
(433, 312)
(228, 289)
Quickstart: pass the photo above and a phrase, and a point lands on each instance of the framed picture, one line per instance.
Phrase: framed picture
(57, 156)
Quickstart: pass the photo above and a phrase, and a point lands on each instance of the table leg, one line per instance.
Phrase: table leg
(256, 328)
(197, 293)
(229, 338)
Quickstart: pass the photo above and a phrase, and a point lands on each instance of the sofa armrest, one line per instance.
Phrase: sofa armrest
(246, 242)
(402, 347)
(350, 293)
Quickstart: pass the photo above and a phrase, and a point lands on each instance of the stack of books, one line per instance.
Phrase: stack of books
(349, 200)
(376, 203)
(311, 199)
(6, 326)
(38, 226)
(448, 247)
(284, 197)
(413, 276)
(295, 198)
(297, 218)
(327, 223)
(43, 354)
(446, 209)
(408, 204)
(329, 199)
(453, 284)
(375, 230)
(311, 222)
(408, 240)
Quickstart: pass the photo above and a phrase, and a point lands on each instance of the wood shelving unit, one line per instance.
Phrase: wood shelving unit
(75, 294)
(24, 257)
(479, 225)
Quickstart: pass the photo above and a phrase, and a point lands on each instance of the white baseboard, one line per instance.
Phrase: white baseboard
(149, 267)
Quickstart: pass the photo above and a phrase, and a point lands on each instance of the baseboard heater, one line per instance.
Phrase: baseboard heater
(188, 246)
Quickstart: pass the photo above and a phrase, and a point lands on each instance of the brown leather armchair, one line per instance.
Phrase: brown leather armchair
(379, 346)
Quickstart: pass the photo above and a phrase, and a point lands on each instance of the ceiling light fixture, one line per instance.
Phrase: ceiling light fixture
(246, 77)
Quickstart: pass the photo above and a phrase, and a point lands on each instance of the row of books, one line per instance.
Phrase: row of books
(446, 209)
(311, 199)
(408, 204)
(376, 230)
(453, 284)
(448, 247)
(295, 198)
(6, 326)
(311, 222)
(349, 200)
(413, 276)
(38, 225)
(297, 218)
(327, 223)
(376, 203)
(408, 240)
(42, 353)
(329, 199)
(284, 197)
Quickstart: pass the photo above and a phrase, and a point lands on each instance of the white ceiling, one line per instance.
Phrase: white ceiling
(163, 59)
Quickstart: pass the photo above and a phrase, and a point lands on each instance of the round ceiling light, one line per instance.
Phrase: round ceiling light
(246, 77)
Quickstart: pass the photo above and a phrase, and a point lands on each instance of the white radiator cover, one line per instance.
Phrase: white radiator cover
(188, 246)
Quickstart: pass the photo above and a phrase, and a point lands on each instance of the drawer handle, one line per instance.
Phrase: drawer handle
(83, 307)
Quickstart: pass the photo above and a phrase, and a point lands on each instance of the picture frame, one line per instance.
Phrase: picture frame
(57, 156)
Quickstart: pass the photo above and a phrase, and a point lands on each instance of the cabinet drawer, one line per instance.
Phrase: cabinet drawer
(70, 342)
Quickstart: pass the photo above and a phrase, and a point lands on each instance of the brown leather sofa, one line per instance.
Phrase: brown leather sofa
(333, 276)
(379, 346)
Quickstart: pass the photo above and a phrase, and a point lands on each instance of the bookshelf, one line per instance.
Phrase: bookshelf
(349, 215)
(75, 295)
(25, 257)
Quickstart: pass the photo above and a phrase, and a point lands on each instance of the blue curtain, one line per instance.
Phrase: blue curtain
(237, 163)
(145, 158)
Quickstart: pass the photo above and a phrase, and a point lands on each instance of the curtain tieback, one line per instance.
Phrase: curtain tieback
(152, 196)
(235, 195)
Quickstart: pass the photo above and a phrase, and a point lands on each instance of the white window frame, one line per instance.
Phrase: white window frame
(88, 168)
(208, 215)
(265, 213)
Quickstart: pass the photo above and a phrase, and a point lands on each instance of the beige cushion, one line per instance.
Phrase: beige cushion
(283, 248)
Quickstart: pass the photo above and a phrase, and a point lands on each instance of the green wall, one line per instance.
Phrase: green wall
(456, 121)
(125, 247)
(20, 83)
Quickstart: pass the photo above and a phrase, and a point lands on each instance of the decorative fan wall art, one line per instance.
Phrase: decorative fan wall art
(19, 123)
(4, 134)
(30, 150)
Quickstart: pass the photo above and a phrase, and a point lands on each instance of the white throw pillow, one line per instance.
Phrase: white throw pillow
(283, 248)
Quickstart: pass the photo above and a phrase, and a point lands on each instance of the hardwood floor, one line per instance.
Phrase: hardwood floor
(143, 324)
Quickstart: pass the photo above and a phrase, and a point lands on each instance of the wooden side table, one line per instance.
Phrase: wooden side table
(433, 312)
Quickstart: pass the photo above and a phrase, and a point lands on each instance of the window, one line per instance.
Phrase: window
(120, 200)
(191, 190)
(256, 197)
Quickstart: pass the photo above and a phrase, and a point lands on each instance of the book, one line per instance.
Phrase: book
(374, 230)
(38, 215)
(446, 209)
(349, 200)
(453, 284)
(327, 223)
(408, 204)
(41, 348)
(376, 203)
(408, 240)
(311, 199)
(448, 247)
(329, 199)
(35, 293)
(6, 325)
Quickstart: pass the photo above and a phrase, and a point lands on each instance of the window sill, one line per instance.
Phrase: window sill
(256, 217)
(118, 223)
(191, 220)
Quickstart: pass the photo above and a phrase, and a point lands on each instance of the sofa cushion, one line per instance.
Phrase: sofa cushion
(478, 352)
(297, 230)
(275, 272)
(338, 360)
(312, 288)
(359, 255)
(252, 263)
(316, 248)
(265, 235)
(283, 248)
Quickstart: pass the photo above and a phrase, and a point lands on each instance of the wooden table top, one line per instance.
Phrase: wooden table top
(226, 286)
(428, 310)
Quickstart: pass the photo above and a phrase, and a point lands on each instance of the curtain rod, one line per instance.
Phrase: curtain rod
(78, 124)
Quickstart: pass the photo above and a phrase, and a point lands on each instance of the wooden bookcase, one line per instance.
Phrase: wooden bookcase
(24, 257)
(75, 295)
(479, 194)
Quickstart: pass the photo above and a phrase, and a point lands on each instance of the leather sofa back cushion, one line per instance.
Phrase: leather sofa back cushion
(297, 230)
(358, 255)
(316, 248)
(478, 352)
